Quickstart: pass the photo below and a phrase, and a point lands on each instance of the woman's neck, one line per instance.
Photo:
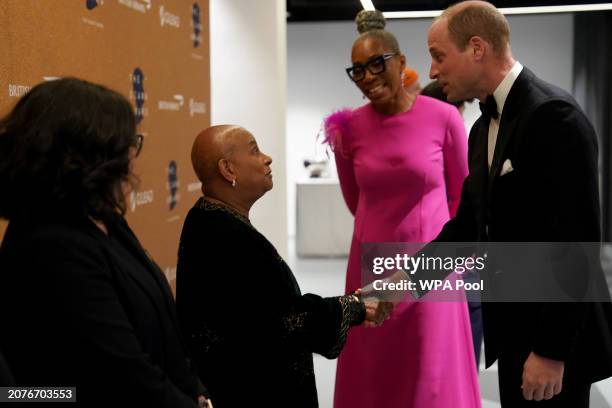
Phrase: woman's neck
(233, 204)
(401, 103)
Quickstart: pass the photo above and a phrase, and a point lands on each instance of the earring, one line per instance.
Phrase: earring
(234, 183)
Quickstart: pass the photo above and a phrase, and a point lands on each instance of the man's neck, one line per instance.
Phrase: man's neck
(495, 75)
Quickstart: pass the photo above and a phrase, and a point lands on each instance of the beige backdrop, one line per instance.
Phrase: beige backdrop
(111, 42)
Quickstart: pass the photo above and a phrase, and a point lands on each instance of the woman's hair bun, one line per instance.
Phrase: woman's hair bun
(368, 20)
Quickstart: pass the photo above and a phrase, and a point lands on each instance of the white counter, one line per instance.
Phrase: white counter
(324, 225)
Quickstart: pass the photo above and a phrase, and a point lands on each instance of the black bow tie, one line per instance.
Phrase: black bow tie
(489, 108)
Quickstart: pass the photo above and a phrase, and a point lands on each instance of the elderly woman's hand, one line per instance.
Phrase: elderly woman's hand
(377, 312)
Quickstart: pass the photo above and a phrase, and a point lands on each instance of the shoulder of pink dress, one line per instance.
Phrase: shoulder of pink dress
(435, 106)
(336, 126)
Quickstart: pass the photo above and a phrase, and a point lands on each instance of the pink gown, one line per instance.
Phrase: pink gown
(401, 177)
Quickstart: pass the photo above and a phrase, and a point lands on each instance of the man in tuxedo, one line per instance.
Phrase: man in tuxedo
(533, 178)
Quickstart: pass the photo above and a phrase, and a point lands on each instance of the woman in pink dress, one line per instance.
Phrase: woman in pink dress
(401, 161)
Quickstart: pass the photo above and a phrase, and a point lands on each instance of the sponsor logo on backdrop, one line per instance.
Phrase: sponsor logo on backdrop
(191, 187)
(92, 4)
(17, 91)
(142, 6)
(173, 218)
(174, 105)
(166, 18)
(196, 108)
(139, 95)
(173, 185)
(196, 24)
(92, 23)
(139, 198)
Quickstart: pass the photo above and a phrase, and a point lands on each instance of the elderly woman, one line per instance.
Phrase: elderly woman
(401, 161)
(239, 305)
(82, 303)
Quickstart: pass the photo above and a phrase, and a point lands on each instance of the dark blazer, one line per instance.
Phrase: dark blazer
(83, 309)
(550, 196)
(6, 375)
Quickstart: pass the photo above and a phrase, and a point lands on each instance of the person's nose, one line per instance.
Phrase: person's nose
(368, 76)
(267, 160)
(433, 71)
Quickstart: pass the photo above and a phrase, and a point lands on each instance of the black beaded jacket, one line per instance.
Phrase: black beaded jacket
(250, 330)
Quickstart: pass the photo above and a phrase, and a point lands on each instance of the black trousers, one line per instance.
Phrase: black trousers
(574, 394)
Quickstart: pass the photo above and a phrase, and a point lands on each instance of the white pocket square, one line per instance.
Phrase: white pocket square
(506, 168)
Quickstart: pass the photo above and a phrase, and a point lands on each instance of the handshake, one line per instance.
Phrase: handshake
(379, 306)
(377, 311)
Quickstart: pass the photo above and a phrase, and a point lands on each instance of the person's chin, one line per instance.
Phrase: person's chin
(270, 183)
(380, 102)
(454, 96)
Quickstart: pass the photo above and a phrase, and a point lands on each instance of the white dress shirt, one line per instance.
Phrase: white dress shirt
(501, 94)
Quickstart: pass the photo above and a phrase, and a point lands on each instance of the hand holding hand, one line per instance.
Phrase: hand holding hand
(203, 402)
(542, 378)
(376, 312)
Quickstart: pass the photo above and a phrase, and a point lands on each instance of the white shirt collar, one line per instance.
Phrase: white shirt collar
(503, 89)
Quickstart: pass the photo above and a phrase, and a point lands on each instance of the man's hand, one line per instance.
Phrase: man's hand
(203, 402)
(376, 312)
(392, 296)
(542, 377)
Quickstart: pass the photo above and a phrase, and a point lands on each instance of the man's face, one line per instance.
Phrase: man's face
(455, 70)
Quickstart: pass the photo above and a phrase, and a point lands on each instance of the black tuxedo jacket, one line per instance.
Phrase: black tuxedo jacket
(550, 196)
(91, 311)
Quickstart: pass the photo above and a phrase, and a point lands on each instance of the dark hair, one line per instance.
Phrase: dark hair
(434, 90)
(66, 145)
(371, 24)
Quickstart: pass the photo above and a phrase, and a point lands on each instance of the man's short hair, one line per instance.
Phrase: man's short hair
(484, 20)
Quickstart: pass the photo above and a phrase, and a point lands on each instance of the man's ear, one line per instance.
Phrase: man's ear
(226, 168)
(478, 47)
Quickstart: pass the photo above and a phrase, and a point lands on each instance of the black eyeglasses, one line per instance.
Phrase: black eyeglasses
(139, 143)
(375, 65)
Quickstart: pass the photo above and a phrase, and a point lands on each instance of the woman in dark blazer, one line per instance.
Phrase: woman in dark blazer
(82, 303)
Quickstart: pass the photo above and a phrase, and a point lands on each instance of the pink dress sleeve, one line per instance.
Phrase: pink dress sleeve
(455, 159)
(348, 183)
(337, 136)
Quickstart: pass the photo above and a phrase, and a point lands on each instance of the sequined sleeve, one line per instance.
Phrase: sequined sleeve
(322, 323)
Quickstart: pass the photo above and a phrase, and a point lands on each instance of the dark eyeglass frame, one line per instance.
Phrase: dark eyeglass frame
(139, 143)
(381, 59)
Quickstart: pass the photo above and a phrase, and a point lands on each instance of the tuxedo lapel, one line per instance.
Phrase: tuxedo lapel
(508, 124)
(479, 168)
(507, 127)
